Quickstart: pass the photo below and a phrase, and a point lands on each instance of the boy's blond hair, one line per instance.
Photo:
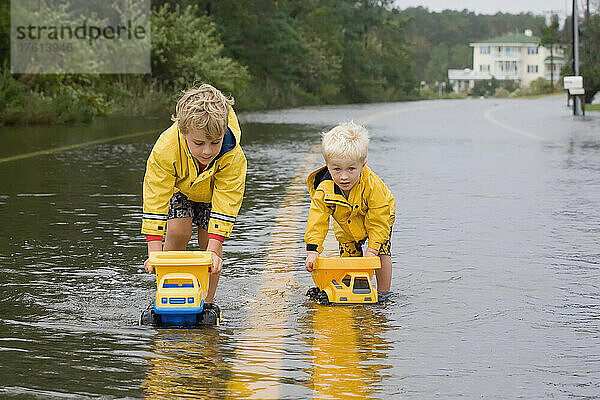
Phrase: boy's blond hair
(203, 109)
(347, 140)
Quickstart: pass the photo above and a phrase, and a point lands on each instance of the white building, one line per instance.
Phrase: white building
(515, 57)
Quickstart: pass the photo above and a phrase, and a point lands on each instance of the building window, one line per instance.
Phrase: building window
(484, 68)
(484, 50)
(532, 69)
(508, 50)
(532, 50)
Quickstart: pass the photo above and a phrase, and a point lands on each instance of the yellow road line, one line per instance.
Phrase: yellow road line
(259, 356)
(258, 366)
(74, 146)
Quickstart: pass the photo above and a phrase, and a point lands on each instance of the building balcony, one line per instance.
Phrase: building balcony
(506, 57)
(507, 76)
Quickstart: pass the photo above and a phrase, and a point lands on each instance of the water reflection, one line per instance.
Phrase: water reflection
(261, 351)
(348, 350)
(188, 364)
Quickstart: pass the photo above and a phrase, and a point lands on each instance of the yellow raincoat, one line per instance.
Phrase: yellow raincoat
(369, 211)
(171, 167)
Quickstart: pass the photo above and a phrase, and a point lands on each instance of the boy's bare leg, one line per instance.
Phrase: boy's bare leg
(213, 279)
(202, 238)
(384, 275)
(179, 232)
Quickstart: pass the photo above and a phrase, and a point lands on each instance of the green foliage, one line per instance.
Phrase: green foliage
(49, 100)
(540, 86)
(323, 50)
(186, 50)
(509, 85)
(437, 67)
(485, 88)
(501, 93)
(537, 87)
(550, 37)
(590, 56)
(4, 33)
(14, 98)
(273, 54)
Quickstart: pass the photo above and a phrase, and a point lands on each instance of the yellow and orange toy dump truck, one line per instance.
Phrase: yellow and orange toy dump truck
(181, 286)
(344, 280)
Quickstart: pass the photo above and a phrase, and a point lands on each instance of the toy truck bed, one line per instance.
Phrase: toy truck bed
(344, 280)
(182, 282)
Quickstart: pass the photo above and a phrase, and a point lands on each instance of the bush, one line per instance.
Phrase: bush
(501, 93)
(510, 86)
(485, 88)
(539, 86)
(428, 93)
(516, 93)
(47, 99)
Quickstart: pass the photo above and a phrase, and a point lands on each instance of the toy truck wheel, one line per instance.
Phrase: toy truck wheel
(322, 298)
(210, 316)
(149, 318)
(313, 292)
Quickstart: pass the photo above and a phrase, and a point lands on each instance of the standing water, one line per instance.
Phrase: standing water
(495, 252)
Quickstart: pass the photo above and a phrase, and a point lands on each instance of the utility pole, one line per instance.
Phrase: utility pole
(575, 54)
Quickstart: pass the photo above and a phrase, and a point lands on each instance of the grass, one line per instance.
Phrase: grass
(592, 107)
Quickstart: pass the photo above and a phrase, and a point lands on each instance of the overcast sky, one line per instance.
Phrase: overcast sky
(493, 6)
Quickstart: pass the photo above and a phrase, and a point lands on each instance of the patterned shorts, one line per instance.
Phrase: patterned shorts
(182, 207)
(354, 249)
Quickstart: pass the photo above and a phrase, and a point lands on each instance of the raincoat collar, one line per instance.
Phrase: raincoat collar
(331, 189)
(229, 142)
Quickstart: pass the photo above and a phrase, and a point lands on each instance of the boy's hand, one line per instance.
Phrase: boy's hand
(148, 267)
(154, 245)
(371, 252)
(217, 263)
(216, 252)
(311, 257)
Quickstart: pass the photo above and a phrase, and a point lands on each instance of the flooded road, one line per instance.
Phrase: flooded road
(495, 250)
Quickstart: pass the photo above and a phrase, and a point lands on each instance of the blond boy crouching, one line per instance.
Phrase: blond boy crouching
(362, 206)
(195, 175)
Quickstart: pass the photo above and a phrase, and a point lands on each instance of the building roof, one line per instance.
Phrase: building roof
(513, 38)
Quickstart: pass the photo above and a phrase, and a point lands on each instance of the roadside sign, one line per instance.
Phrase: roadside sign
(573, 82)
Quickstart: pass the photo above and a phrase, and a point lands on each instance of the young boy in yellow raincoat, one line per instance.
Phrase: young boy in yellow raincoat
(195, 175)
(362, 206)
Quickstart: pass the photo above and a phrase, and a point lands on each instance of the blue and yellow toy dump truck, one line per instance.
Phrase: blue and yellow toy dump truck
(344, 280)
(181, 286)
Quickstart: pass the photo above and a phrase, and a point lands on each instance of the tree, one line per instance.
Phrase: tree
(437, 67)
(590, 57)
(187, 50)
(4, 33)
(551, 37)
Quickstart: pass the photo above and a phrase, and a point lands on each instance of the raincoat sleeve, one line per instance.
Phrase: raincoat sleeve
(228, 192)
(380, 215)
(159, 185)
(317, 224)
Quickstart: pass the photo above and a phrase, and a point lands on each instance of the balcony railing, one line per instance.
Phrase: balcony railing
(507, 76)
(507, 57)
